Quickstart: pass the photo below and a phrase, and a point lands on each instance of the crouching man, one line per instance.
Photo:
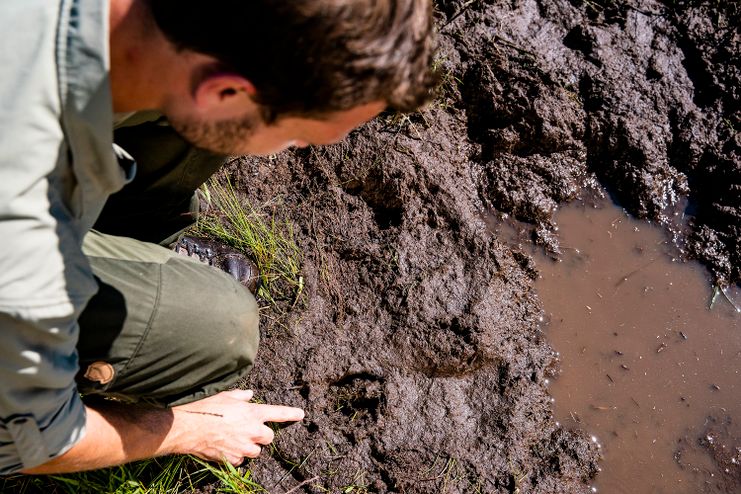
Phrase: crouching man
(114, 348)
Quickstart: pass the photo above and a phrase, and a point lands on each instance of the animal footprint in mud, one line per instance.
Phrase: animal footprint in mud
(357, 396)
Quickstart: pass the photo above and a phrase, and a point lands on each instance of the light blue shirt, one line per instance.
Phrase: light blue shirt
(57, 168)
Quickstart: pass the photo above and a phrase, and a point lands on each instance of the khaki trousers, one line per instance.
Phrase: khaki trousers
(163, 329)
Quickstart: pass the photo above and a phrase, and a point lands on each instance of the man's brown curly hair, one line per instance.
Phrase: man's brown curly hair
(312, 57)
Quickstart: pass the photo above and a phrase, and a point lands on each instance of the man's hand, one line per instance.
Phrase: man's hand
(226, 427)
(222, 427)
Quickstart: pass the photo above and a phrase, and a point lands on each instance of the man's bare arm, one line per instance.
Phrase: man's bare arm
(222, 427)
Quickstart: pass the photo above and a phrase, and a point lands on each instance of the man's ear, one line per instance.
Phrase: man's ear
(224, 91)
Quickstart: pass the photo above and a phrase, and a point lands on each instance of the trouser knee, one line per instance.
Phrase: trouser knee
(172, 330)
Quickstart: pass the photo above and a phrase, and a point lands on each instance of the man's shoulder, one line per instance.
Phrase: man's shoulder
(29, 95)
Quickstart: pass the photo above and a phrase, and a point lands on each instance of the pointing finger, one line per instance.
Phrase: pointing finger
(277, 413)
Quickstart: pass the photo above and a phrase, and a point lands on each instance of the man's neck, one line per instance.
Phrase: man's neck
(143, 65)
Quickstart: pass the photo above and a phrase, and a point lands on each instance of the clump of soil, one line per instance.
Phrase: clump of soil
(642, 94)
(418, 353)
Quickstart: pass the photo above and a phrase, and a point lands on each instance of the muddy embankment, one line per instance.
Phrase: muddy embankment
(419, 354)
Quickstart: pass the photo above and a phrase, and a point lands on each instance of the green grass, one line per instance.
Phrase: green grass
(169, 475)
(231, 480)
(267, 240)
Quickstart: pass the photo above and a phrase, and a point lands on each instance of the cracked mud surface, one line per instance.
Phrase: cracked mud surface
(419, 355)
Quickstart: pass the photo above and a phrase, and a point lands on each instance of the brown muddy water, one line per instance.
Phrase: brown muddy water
(647, 369)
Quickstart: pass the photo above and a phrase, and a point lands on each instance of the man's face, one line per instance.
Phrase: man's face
(250, 135)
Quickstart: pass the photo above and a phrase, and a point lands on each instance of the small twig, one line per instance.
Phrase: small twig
(302, 484)
(625, 278)
(462, 10)
(716, 292)
(602, 408)
(296, 467)
(723, 291)
(514, 46)
(446, 469)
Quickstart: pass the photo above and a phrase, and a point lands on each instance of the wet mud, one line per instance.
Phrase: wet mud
(419, 350)
(419, 357)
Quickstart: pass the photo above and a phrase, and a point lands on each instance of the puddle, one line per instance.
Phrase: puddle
(647, 368)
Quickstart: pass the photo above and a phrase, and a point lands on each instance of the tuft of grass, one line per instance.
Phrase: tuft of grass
(157, 476)
(448, 83)
(358, 484)
(232, 479)
(168, 475)
(443, 95)
(268, 241)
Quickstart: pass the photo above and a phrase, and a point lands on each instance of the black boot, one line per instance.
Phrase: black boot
(223, 257)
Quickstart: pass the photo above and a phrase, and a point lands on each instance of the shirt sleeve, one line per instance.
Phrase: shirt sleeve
(45, 280)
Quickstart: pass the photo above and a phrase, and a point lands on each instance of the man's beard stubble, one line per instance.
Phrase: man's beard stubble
(226, 137)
